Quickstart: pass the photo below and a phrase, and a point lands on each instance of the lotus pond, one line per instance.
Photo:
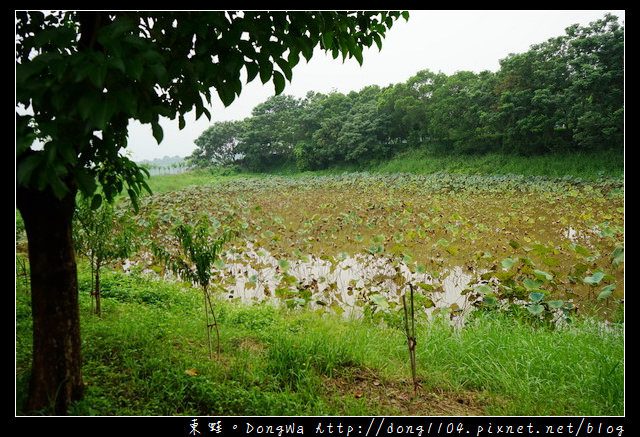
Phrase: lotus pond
(356, 242)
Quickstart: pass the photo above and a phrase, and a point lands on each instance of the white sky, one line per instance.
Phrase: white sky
(440, 41)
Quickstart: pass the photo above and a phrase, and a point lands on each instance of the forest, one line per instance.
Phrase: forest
(563, 95)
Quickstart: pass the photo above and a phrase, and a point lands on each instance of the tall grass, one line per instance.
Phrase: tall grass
(573, 371)
(581, 165)
(146, 356)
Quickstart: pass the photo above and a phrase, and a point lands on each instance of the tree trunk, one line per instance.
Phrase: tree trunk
(56, 375)
(96, 291)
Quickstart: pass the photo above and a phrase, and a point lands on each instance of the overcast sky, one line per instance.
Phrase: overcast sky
(440, 41)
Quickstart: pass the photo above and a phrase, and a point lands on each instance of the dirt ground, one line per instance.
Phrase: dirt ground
(399, 398)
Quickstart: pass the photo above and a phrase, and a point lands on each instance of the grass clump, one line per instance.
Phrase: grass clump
(578, 370)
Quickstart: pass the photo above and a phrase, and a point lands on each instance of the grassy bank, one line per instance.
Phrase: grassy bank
(147, 356)
(581, 165)
(423, 162)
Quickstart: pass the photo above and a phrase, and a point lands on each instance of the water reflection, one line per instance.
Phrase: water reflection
(345, 283)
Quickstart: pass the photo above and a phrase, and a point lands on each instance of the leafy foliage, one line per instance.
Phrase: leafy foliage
(199, 253)
(563, 95)
(103, 234)
(83, 75)
(351, 242)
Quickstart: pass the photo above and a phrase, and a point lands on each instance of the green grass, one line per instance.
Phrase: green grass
(583, 165)
(589, 166)
(165, 183)
(147, 355)
(577, 371)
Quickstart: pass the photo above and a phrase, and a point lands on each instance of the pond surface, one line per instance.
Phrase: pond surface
(344, 284)
(342, 242)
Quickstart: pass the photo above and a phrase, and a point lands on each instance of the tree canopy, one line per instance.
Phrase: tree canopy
(81, 77)
(565, 94)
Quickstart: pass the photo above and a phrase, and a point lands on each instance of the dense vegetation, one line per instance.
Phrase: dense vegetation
(541, 332)
(563, 95)
(147, 356)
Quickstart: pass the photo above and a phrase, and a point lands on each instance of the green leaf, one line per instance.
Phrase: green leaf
(286, 68)
(507, 263)
(514, 244)
(284, 264)
(98, 73)
(532, 284)
(379, 300)
(536, 296)
(293, 58)
(158, 133)
(490, 301)
(327, 40)
(161, 74)
(278, 81)
(555, 304)
(96, 201)
(484, 289)
(443, 242)
(26, 167)
(226, 94)
(252, 70)
(266, 68)
(535, 309)
(594, 279)
(102, 112)
(86, 182)
(219, 264)
(378, 41)
(543, 275)
(58, 187)
(134, 199)
(617, 256)
(606, 292)
(134, 67)
(581, 250)
(425, 287)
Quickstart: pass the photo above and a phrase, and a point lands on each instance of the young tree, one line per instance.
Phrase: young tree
(81, 77)
(103, 234)
(194, 263)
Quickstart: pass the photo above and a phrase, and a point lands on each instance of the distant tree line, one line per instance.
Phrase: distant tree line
(563, 95)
